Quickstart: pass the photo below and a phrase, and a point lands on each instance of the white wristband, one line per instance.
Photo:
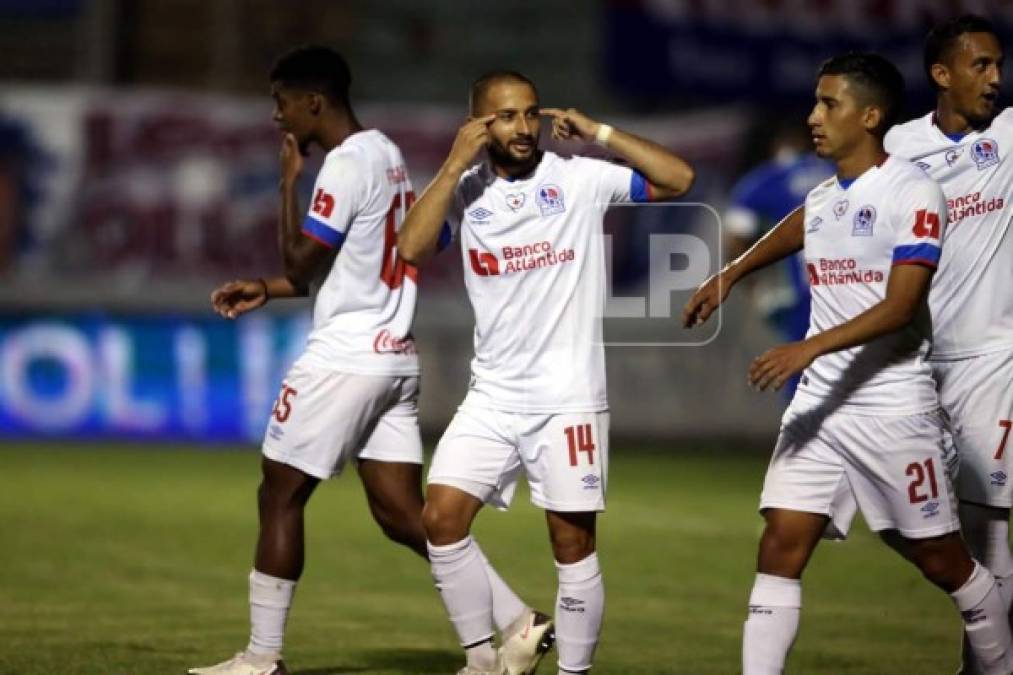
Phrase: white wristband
(601, 137)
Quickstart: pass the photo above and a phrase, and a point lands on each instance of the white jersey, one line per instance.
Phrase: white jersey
(534, 268)
(972, 296)
(892, 214)
(364, 305)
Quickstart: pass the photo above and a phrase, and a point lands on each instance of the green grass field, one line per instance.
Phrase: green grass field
(134, 561)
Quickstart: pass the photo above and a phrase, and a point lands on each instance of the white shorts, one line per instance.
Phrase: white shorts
(564, 457)
(323, 418)
(893, 467)
(977, 394)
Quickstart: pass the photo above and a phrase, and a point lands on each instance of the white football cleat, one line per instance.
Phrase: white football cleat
(245, 664)
(526, 642)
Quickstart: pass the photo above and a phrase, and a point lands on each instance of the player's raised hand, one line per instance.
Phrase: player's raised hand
(291, 159)
(238, 297)
(471, 138)
(707, 298)
(777, 365)
(571, 124)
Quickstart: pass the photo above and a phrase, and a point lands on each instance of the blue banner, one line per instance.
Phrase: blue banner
(160, 377)
(764, 52)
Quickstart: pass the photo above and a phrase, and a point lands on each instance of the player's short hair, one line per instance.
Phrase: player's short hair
(318, 69)
(941, 39)
(480, 86)
(877, 78)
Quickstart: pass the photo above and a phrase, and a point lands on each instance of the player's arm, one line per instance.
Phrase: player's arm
(921, 208)
(302, 256)
(235, 298)
(419, 236)
(786, 239)
(668, 175)
(906, 291)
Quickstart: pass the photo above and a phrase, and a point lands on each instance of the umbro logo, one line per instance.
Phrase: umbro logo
(998, 478)
(571, 605)
(480, 215)
(973, 616)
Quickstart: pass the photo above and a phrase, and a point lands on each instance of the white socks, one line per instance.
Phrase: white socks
(986, 531)
(772, 624)
(580, 604)
(270, 600)
(507, 608)
(459, 570)
(985, 622)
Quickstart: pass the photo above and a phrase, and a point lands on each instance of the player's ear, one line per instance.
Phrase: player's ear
(940, 75)
(872, 118)
(316, 103)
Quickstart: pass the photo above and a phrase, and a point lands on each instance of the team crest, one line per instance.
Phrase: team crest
(515, 200)
(864, 220)
(550, 199)
(480, 216)
(985, 153)
(814, 225)
(840, 208)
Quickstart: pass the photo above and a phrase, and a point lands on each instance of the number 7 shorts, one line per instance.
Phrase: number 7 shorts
(564, 457)
(977, 393)
(893, 466)
(323, 418)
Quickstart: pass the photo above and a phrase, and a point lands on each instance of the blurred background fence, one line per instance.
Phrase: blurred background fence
(138, 168)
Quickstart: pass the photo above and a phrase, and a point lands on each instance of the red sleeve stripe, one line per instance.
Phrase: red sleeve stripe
(925, 262)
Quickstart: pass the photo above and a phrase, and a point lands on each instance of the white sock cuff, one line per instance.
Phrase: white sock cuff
(774, 591)
(579, 572)
(451, 552)
(271, 591)
(974, 590)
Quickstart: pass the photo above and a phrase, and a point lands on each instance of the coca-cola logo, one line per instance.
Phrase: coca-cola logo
(385, 343)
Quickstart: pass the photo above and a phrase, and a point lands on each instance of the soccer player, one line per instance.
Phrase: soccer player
(530, 225)
(352, 394)
(963, 144)
(866, 417)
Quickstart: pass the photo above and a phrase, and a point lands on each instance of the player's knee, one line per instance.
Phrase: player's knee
(402, 527)
(781, 553)
(572, 545)
(944, 562)
(275, 495)
(442, 527)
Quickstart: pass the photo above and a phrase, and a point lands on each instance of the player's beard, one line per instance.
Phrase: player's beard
(500, 156)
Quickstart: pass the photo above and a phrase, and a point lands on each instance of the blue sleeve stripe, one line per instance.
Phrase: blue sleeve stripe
(446, 236)
(640, 190)
(322, 232)
(917, 253)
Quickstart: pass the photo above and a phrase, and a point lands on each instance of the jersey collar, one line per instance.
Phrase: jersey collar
(844, 183)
